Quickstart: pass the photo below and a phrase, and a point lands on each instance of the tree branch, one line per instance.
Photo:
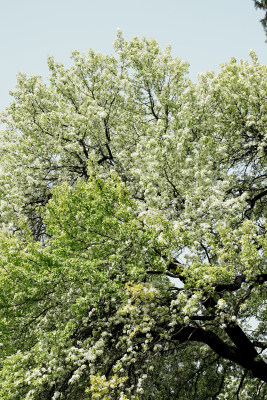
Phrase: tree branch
(258, 368)
(243, 298)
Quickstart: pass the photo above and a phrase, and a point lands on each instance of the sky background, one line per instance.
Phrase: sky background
(204, 32)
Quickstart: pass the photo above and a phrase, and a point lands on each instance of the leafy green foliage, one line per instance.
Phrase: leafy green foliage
(116, 178)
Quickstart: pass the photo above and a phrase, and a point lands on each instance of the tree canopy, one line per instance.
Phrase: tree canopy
(133, 230)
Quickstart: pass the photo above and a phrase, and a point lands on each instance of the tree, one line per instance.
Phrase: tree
(262, 5)
(116, 178)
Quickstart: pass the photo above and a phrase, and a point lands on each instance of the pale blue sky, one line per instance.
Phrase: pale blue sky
(204, 32)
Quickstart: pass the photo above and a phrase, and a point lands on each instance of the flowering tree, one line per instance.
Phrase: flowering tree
(133, 242)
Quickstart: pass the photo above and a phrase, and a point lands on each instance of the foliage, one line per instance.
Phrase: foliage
(116, 178)
(262, 5)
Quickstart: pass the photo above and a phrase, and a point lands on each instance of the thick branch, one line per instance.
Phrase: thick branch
(231, 287)
(232, 353)
(240, 339)
(252, 202)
